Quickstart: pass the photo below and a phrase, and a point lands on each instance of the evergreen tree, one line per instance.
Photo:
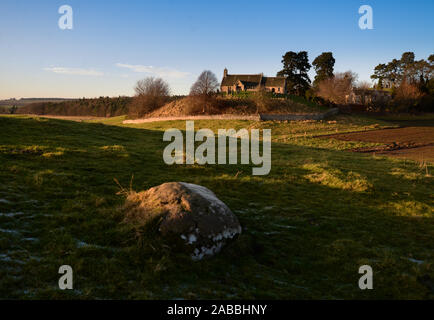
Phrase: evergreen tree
(295, 69)
(324, 67)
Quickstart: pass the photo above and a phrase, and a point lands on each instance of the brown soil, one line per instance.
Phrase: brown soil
(416, 143)
(425, 153)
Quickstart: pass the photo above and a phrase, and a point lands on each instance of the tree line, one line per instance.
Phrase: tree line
(98, 107)
(406, 70)
(410, 82)
(327, 87)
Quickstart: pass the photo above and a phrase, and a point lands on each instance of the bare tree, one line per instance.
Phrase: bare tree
(206, 84)
(337, 88)
(152, 87)
(151, 94)
(202, 90)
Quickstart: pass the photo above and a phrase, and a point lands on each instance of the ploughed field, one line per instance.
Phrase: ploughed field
(308, 226)
(416, 143)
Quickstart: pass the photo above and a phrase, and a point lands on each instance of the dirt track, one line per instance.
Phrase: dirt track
(416, 143)
(208, 117)
(71, 118)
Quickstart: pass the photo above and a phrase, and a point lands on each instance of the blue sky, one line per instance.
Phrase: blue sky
(115, 43)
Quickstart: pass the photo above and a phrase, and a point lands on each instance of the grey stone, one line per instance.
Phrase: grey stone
(189, 213)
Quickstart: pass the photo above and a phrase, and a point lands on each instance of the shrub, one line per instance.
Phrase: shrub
(263, 101)
(407, 91)
(336, 89)
(204, 104)
(407, 98)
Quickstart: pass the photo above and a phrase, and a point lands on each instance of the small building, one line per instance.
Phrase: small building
(252, 82)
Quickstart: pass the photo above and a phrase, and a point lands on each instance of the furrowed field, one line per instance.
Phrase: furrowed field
(308, 226)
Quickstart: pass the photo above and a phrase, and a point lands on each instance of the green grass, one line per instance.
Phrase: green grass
(308, 226)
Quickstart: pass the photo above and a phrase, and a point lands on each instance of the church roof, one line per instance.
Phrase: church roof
(253, 80)
(273, 81)
(232, 79)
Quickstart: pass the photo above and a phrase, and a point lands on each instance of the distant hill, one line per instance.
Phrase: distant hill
(25, 101)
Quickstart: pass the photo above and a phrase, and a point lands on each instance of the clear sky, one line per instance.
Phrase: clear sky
(115, 43)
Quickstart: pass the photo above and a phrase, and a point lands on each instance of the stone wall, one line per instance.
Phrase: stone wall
(298, 117)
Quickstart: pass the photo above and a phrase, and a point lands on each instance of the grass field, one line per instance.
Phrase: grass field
(308, 226)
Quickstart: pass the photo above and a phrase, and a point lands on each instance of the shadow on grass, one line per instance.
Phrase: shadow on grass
(305, 235)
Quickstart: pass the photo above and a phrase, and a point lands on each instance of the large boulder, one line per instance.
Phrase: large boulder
(188, 215)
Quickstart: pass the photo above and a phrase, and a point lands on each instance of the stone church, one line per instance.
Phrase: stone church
(252, 82)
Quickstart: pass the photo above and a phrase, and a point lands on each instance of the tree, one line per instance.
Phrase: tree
(152, 87)
(430, 82)
(151, 94)
(420, 72)
(431, 64)
(206, 84)
(407, 59)
(408, 68)
(431, 60)
(393, 72)
(380, 74)
(201, 92)
(295, 69)
(324, 67)
(337, 89)
(389, 75)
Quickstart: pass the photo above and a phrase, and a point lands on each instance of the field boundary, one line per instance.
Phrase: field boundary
(207, 117)
(258, 117)
(299, 117)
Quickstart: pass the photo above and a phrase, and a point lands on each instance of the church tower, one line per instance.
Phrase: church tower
(225, 73)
